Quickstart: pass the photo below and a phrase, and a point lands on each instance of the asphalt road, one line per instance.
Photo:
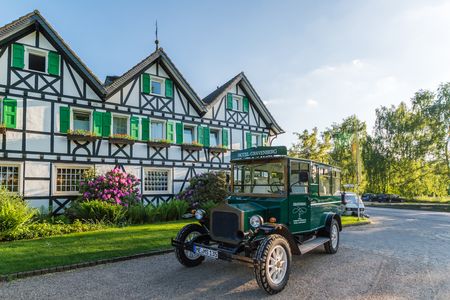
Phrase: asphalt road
(404, 254)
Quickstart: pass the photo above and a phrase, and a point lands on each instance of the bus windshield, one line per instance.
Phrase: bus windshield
(266, 178)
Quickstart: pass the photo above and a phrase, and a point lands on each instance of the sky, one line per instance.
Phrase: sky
(312, 62)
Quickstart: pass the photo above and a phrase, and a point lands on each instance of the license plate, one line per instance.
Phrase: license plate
(206, 252)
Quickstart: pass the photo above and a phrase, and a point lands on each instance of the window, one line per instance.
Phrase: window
(256, 140)
(324, 182)
(157, 181)
(9, 177)
(68, 179)
(157, 130)
(189, 134)
(299, 185)
(214, 137)
(236, 103)
(36, 61)
(120, 125)
(81, 120)
(259, 178)
(157, 85)
(336, 182)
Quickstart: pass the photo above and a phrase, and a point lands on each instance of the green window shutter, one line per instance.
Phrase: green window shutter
(106, 124)
(225, 142)
(18, 56)
(97, 119)
(245, 104)
(169, 88)
(10, 113)
(265, 141)
(169, 132)
(145, 129)
(179, 133)
(200, 135)
(134, 127)
(64, 119)
(146, 83)
(248, 140)
(206, 136)
(53, 63)
(229, 101)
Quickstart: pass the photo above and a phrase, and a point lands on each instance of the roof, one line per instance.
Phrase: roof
(242, 80)
(33, 19)
(160, 55)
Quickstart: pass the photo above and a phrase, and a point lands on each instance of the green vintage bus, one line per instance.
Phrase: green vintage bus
(279, 207)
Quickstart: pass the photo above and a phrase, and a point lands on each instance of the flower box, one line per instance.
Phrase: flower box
(122, 141)
(158, 144)
(192, 147)
(82, 137)
(218, 150)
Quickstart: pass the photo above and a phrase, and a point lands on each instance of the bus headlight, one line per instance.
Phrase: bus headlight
(256, 221)
(200, 214)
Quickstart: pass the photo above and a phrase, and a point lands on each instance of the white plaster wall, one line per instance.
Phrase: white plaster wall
(60, 144)
(39, 115)
(37, 142)
(39, 204)
(179, 173)
(13, 140)
(37, 169)
(3, 67)
(134, 170)
(103, 168)
(28, 39)
(34, 188)
(90, 94)
(44, 43)
(69, 87)
(103, 147)
(140, 150)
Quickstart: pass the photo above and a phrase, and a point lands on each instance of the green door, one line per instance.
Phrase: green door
(299, 208)
(322, 200)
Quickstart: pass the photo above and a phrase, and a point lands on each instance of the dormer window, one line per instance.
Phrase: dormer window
(37, 61)
(237, 103)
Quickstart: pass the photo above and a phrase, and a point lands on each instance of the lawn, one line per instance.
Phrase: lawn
(26, 255)
(350, 220)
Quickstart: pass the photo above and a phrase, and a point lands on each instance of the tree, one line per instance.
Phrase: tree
(310, 146)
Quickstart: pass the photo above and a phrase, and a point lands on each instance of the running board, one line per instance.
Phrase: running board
(313, 244)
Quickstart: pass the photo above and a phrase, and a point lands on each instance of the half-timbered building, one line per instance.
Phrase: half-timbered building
(149, 121)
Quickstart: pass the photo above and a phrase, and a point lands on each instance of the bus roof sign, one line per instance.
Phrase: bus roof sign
(259, 152)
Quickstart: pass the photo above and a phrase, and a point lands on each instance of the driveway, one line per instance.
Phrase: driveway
(405, 254)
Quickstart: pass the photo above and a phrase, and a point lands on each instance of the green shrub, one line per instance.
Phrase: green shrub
(44, 229)
(205, 187)
(208, 205)
(14, 212)
(97, 211)
(173, 210)
(141, 214)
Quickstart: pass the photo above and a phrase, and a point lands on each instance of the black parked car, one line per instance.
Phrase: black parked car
(386, 198)
(367, 197)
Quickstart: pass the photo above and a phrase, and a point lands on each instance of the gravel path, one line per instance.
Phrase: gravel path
(403, 255)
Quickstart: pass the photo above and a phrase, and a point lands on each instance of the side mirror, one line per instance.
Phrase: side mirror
(303, 176)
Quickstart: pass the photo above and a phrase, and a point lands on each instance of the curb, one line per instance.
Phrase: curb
(13, 276)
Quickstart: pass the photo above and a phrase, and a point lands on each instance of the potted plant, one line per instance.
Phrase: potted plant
(82, 135)
(159, 143)
(218, 149)
(2, 129)
(194, 146)
(122, 139)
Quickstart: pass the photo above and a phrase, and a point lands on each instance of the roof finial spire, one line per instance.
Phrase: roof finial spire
(156, 34)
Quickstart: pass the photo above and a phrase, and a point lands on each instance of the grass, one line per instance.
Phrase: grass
(350, 220)
(425, 199)
(26, 255)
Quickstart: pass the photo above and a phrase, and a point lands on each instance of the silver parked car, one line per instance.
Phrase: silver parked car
(351, 204)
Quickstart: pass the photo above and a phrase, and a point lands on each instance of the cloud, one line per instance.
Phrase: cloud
(312, 103)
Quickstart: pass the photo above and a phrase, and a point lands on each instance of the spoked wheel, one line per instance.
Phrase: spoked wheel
(185, 235)
(273, 264)
(332, 245)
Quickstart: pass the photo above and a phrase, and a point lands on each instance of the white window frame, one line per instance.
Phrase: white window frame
(120, 116)
(194, 131)
(169, 181)
(81, 110)
(259, 139)
(239, 99)
(35, 51)
(164, 122)
(219, 136)
(55, 177)
(20, 173)
(161, 81)
(1, 110)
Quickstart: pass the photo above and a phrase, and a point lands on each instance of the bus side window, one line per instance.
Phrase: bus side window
(299, 184)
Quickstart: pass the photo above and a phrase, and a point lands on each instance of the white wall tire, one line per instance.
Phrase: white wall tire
(186, 234)
(273, 265)
(332, 245)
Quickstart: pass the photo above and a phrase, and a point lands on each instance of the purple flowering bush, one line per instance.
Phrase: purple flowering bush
(115, 187)
(204, 189)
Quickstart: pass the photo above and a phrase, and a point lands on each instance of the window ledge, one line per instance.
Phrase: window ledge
(218, 150)
(192, 147)
(156, 144)
(121, 141)
(82, 137)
